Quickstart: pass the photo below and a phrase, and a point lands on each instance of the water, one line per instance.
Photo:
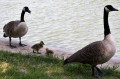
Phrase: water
(68, 24)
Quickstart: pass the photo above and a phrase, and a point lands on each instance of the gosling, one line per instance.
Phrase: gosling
(49, 53)
(37, 47)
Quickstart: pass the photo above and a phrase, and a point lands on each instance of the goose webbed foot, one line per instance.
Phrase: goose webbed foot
(11, 46)
(100, 73)
(22, 45)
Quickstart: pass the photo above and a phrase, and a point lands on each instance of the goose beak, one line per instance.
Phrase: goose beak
(115, 9)
(29, 11)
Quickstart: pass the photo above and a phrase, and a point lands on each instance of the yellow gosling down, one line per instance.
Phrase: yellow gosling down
(49, 53)
(37, 47)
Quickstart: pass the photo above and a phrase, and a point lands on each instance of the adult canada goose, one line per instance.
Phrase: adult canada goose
(97, 52)
(17, 28)
(37, 47)
(49, 52)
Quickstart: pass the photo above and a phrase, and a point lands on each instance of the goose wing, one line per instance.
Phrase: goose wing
(9, 27)
(90, 54)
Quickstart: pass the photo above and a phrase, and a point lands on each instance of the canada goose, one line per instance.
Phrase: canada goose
(49, 52)
(97, 52)
(37, 47)
(17, 28)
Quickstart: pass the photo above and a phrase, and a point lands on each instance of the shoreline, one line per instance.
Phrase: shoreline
(59, 52)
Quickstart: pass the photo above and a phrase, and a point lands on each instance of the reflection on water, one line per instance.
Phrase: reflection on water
(63, 23)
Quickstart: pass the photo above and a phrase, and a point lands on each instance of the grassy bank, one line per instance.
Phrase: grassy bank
(17, 66)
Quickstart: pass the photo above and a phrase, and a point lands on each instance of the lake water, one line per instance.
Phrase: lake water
(68, 24)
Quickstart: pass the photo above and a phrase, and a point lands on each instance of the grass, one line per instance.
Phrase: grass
(18, 66)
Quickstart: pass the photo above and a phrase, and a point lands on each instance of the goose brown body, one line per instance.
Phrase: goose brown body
(15, 29)
(95, 53)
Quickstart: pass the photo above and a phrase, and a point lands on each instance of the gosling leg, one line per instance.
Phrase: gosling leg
(38, 52)
(34, 51)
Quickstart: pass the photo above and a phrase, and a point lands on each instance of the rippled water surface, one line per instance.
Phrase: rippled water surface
(69, 24)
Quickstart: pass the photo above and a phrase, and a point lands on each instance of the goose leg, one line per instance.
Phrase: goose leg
(93, 70)
(11, 46)
(22, 45)
(100, 73)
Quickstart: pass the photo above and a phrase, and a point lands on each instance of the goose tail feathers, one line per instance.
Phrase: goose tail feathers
(65, 62)
(4, 35)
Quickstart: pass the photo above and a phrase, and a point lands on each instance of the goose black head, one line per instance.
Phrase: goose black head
(109, 8)
(26, 9)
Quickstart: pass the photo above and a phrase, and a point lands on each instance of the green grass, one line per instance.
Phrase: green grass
(18, 66)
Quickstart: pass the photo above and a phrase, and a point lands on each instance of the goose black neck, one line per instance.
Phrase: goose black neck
(106, 24)
(22, 16)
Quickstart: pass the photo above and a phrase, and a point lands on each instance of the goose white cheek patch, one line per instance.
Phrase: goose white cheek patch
(23, 9)
(107, 9)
